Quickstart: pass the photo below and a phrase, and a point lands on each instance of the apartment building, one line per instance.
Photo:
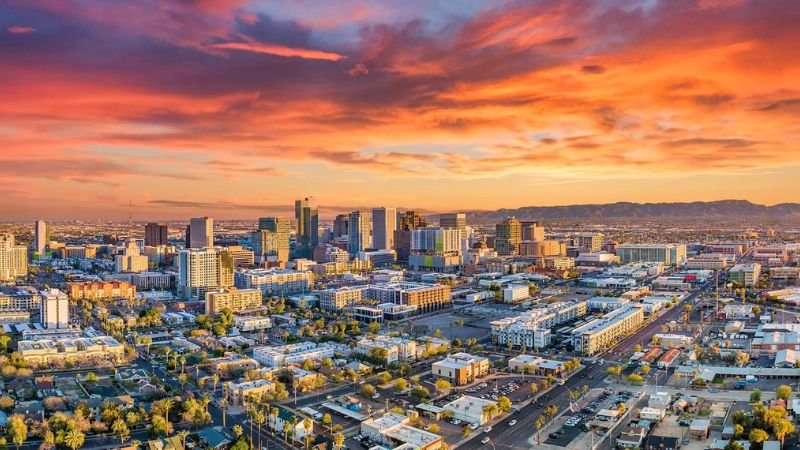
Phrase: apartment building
(395, 348)
(45, 351)
(669, 254)
(707, 262)
(101, 290)
(252, 323)
(542, 248)
(203, 269)
(233, 299)
(746, 275)
(274, 282)
(283, 355)
(24, 298)
(55, 309)
(602, 333)
(240, 391)
(532, 328)
(461, 368)
(420, 296)
(335, 300)
(13, 258)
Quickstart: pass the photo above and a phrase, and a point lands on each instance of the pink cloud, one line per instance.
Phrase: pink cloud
(279, 50)
(20, 30)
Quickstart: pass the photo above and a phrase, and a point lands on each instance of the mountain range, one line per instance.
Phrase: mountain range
(722, 209)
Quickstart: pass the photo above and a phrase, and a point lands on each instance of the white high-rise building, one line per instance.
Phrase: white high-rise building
(203, 269)
(384, 222)
(55, 309)
(13, 258)
(41, 237)
(201, 232)
(359, 232)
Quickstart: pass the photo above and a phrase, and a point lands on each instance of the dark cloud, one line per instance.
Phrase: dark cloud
(593, 69)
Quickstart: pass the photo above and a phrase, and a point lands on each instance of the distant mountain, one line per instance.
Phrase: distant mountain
(722, 209)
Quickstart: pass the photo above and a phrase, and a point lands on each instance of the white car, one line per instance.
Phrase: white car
(512, 423)
(487, 429)
(474, 426)
(485, 440)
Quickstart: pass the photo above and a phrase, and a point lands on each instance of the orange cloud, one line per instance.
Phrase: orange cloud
(279, 50)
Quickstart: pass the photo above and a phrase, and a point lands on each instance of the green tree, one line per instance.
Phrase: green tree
(782, 428)
(120, 430)
(504, 404)
(327, 420)
(755, 396)
(757, 436)
(733, 445)
(91, 377)
(400, 384)
(74, 439)
(338, 441)
(442, 385)
(783, 392)
(368, 390)
(645, 370)
(17, 430)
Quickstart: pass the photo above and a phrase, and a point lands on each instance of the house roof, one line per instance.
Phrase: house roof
(215, 436)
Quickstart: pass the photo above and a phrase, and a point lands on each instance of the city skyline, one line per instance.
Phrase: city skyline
(230, 108)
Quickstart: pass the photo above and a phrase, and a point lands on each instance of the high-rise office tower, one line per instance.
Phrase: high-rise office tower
(13, 258)
(306, 213)
(54, 309)
(453, 220)
(406, 222)
(340, 226)
(384, 222)
(272, 239)
(41, 237)
(410, 220)
(155, 234)
(201, 232)
(360, 231)
(532, 231)
(203, 269)
(508, 235)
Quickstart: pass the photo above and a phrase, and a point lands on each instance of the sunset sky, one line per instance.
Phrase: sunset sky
(233, 109)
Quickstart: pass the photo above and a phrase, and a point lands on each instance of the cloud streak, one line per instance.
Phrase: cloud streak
(279, 50)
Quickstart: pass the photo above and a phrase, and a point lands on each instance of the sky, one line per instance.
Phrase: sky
(233, 109)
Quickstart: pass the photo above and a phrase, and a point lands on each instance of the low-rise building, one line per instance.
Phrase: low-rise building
(745, 274)
(516, 292)
(461, 368)
(335, 300)
(532, 328)
(233, 299)
(283, 355)
(274, 282)
(603, 332)
(395, 431)
(394, 348)
(101, 290)
(252, 323)
(231, 362)
(45, 351)
(240, 391)
(535, 365)
(469, 409)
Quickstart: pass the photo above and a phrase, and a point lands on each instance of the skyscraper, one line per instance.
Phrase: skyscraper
(384, 222)
(41, 237)
(271, 241)
(55, 309)
(340, 226)
(201, 232)
(508, 235)
(454, 220)
(306, 213)
(360, 231)
(13, 258)
(155, 234)
(407, 221)
(532, 231)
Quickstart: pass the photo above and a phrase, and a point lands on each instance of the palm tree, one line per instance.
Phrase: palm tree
(308, 426)
(251, 414)
(183, 363)
(294, 430)
(338, 441)
(215, 380)
(136, 443)
(167, 402)
(224, 405)
(274, 414)
(286, 428)
(74, 439)
(260, 419)
(237, 431)
(182, 434)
